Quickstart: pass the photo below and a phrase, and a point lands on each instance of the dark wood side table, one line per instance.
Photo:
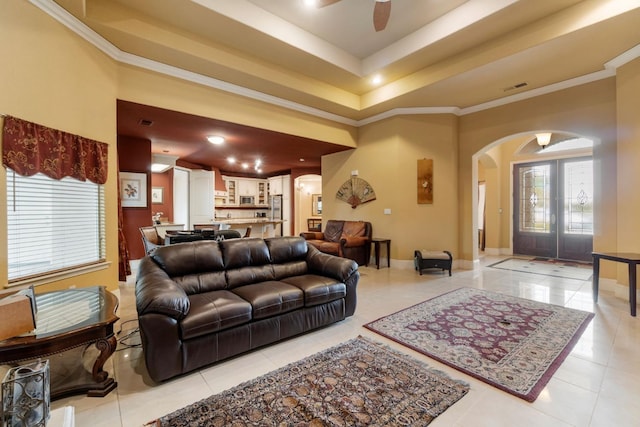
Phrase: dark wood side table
(631, 259)
(377, 241)
(66, 320)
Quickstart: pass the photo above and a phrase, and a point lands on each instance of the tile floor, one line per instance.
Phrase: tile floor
(597, 385)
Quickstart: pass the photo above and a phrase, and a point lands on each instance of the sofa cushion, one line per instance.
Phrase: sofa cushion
(271, 298)
(333, 230)
(214, 311)
(353, 229)
(196, 257)
(318, 289)
(240, 253)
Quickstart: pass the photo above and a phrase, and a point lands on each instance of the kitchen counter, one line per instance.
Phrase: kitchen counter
(260, 227)
(247, 221)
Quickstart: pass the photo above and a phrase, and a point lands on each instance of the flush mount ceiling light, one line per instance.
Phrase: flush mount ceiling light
(215, 139)
(159, 167)
(543, 139)
(162, 162)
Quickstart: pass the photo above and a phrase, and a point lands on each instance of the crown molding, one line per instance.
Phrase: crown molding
(71, 22)
(407, 112)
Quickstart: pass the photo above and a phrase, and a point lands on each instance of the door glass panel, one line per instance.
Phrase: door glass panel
(535, 199)
(578, 197)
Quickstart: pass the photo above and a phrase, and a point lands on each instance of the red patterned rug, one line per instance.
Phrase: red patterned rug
(512, 343)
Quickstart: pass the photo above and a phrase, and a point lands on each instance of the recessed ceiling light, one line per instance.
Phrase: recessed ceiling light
(231, 159)
(245, 165)
(377, 79)
(215, 139)
(301, 159)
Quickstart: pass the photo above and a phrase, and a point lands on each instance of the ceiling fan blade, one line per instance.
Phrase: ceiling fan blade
(323, 3)
(381, 13)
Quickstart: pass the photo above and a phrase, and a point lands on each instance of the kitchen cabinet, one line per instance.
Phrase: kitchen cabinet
(232, 191)
(239, 187)
(275, 185)
(261, 198)
(247, 187)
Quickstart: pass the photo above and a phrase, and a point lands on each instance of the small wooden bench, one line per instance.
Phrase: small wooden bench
(424, 259)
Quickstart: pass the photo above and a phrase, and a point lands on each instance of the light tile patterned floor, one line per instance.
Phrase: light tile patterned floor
(597, 385)
(557, 269)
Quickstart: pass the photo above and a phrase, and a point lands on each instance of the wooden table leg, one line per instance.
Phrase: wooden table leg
(389, 253)
(376, 246)
(595, 278)
(632, 288)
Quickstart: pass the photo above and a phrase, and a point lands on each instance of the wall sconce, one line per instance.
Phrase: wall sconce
(543, 139)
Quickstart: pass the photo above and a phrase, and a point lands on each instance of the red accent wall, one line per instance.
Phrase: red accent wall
(134, 155)
(165, 181)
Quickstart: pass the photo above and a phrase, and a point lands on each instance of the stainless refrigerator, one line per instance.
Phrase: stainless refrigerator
(275, 209)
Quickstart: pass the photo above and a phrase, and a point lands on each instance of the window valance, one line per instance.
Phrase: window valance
(29, 148)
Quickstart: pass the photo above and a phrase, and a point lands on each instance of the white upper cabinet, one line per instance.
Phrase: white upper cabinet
(275, 185)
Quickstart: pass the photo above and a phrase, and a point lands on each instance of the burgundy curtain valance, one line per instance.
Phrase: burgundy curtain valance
(29, 148)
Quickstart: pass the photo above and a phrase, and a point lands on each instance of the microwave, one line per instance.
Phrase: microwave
(247, 200)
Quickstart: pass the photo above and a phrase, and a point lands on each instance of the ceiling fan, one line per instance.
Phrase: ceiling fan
(381, 12)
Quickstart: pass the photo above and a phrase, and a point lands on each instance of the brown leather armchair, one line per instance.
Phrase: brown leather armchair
(348, 239)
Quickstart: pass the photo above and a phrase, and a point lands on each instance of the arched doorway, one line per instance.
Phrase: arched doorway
(509, 220)
(308, 188)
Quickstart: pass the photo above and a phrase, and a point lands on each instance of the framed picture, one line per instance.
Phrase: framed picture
(133, 189)
(157, 195)
(425, 181)
(316, 204)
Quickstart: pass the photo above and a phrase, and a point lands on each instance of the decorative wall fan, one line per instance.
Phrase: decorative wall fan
(356, 191)
(381, 12)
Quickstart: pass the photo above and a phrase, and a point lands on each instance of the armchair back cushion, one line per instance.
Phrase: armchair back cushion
(333, 231)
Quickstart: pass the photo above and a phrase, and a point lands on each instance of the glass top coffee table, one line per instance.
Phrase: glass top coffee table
(69, 319)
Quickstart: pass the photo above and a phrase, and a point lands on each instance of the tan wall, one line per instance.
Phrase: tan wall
(588, 110)
(628, 157)
(386, 158)
(51, 77)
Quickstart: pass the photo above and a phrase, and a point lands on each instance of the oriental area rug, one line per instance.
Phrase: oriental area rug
(357, 383)
(512, 343)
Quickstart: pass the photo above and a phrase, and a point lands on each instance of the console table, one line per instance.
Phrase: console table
(376, 247)
(631, 259)
(66, 320)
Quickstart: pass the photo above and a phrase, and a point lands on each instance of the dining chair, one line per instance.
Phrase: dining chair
(150, 238)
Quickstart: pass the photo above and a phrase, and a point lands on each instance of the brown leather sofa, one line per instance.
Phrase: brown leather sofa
(205, 301)
(348, 239)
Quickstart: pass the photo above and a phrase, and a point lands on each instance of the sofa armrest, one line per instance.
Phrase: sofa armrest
(343, 269)
(352, 242)
(312, 235)
(156, 292)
